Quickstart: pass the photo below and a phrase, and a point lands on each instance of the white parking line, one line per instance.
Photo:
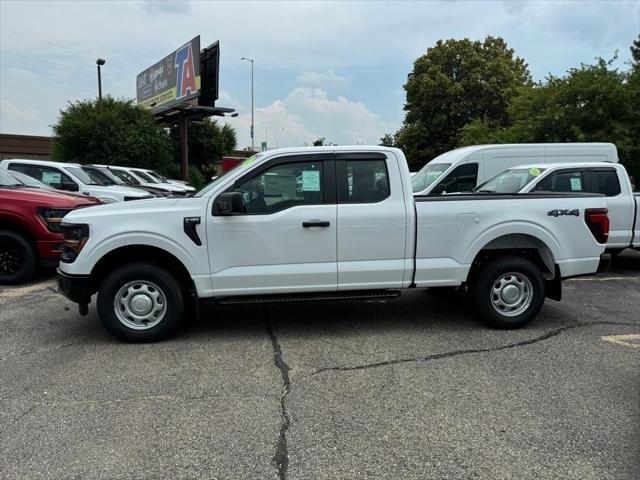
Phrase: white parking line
(632, 340)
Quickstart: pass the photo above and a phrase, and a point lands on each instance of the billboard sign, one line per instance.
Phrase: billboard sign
(173, 80)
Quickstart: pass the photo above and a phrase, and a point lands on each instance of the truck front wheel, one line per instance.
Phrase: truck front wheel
(18, 259)
(508, 291)
(140, 302)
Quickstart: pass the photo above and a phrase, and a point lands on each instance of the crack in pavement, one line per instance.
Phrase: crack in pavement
(455, 353)
(281, 457)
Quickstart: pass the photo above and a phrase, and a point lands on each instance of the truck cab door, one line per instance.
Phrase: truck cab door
(285, 241)
(372, 222)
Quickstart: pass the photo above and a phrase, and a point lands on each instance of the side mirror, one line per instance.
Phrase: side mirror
(229, 203)
(70, 187)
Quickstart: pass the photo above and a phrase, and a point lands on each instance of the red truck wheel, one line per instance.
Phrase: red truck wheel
(18, 260)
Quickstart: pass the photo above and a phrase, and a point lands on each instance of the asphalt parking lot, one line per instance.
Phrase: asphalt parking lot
(412, 387)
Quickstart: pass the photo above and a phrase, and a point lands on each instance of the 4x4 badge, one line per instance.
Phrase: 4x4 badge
(560, 213)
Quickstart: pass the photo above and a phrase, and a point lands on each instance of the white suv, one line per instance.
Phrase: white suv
(72, 177)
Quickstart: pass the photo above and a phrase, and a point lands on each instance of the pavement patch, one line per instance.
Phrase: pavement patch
(631, 340)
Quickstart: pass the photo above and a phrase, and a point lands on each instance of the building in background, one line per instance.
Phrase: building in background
(25, 146)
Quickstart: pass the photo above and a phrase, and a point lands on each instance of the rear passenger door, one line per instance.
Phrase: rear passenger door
(372, 221)
(621, 211)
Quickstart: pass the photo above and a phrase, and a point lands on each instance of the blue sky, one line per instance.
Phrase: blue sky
(331, 69)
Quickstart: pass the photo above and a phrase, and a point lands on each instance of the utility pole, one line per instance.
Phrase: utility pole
(100, 62)
(252, 110)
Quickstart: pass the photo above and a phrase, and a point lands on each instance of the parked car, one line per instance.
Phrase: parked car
(256, 235)
(72, 178)
(146, 181)
(30, 231)
(163, 180)
(464, 168)
(609, 179)
(111, 177)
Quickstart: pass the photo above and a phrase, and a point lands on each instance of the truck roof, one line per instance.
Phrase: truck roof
(564, 165)
(48, 163)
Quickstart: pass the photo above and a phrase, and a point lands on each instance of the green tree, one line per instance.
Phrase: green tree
(208, 142)
(592, 103)
(635, 51)
(111, 132)
(319, 142)
(387, 140)
(454, 83)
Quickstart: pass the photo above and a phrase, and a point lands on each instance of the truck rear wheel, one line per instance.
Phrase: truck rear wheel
(18, 259)
(140, 302)
(508, 291)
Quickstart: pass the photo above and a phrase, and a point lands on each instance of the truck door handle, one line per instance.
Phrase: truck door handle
(315, 223)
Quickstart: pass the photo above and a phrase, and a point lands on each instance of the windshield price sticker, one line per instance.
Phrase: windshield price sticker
(576, 184)
(534, 171)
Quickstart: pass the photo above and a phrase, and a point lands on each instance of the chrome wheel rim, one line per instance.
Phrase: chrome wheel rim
(511, 294)
(140, 305)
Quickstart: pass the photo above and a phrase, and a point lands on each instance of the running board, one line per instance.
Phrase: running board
(310, 297)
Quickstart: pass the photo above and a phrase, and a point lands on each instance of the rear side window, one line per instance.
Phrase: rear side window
(461, 179)
(562, 182)
(605, 182)
(366, 181)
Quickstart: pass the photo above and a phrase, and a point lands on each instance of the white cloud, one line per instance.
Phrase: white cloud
(322, 79)
(16, 119)
(306, 114)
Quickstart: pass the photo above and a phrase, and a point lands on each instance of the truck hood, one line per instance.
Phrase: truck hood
(165, 186)
(133, 207)
(48, 198)
(119, 190)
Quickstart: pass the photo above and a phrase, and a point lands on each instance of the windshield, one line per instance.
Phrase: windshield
(144, 176)
(85, 177)
(156, 176)
(509, 181)
(427, 175)
(222, 178)
(125, 176)
(29, 181)
(102, 177)
(8, 180)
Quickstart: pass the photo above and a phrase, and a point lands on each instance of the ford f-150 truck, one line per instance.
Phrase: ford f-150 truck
(609, 179)
(324, 223)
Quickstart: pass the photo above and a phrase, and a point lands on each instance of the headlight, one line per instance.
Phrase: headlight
(75, 238)
(52, 217)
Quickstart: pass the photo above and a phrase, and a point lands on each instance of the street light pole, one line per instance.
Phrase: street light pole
(100, 62)
(252, 110)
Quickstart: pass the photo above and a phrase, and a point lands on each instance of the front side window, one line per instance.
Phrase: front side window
(462, 179)
(563, 182)
(145, 177)
(605, 182)
(48, 175)
(366, 181)
(86, 177)
(283, 186)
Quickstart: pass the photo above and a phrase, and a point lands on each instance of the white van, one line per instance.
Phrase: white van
(464, 168)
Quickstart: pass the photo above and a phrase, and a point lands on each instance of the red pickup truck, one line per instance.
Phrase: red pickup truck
(30, 234)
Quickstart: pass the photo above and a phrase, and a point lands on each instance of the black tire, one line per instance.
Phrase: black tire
(494, 274)
(18, 258)
(153, 278)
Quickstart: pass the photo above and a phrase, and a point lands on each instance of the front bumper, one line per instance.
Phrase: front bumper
(75, 288)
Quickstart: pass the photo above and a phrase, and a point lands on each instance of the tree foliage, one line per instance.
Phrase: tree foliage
(208, 142)
(111, 132)
(592, 103)
(635, 51)
(454, 83)
(387, 140)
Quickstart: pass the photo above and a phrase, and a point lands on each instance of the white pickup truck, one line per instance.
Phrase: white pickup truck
(608, 179)
(325, 223)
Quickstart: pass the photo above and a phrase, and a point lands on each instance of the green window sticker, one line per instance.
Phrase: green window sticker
(576, 184)
(311, 181)
(534, 172)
